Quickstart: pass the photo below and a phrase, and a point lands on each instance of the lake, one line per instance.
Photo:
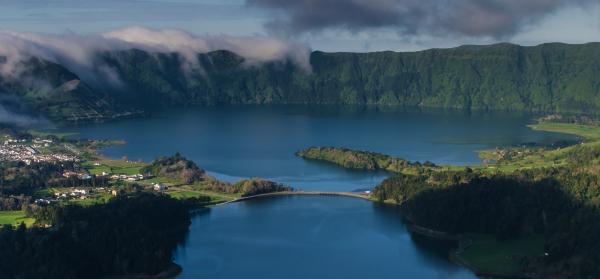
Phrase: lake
(316, 236)
(308, 237)
(239, 142)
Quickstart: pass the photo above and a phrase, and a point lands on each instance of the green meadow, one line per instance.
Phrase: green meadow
(15, 218)
(491, 256)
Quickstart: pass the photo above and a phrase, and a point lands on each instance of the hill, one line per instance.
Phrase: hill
(175, 167)
(545, 78)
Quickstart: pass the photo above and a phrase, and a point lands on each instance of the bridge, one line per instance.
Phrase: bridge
(357, 195)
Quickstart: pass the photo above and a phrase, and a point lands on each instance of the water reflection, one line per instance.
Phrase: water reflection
(309, 237)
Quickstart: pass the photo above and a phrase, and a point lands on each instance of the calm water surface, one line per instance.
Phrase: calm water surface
(310, 237)
(239, 142)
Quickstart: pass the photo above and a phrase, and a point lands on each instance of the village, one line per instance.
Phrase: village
(80, 175)
(85, 195)
(90, 194)
(36, 151)
(89, 182)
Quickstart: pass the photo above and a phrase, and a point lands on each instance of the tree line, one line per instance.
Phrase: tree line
(130, 235)
(560, 203)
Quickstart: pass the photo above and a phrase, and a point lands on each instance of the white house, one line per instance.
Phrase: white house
(80, 191)
(159, 187)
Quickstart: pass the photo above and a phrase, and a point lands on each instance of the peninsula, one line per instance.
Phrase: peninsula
(60, 192)
(529, 211)
(362, 160)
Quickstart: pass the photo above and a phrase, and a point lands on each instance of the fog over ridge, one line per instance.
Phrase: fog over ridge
(13, 112)
(77, 52)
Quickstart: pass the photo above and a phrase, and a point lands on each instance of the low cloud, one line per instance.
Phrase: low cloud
(78, 52)
(13, 113)
(255, 49)
(11, 118)
(473, 18)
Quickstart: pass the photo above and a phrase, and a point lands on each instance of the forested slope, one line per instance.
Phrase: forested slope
(549, 78)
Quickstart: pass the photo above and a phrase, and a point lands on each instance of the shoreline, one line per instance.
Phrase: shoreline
(454, 255)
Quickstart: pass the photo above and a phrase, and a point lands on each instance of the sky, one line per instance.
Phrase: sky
(329, 25)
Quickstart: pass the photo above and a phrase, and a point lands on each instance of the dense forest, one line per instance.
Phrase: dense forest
(549, 78)
(560, 203)
(131, 235)
(131, 232)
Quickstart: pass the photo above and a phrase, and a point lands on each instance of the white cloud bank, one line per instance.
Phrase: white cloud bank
(77, 51)
(12, 118)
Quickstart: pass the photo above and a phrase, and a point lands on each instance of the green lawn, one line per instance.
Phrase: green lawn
(220, 197)
(96, 170)
(15, 218)
(114, 167)
(585, 131)
(127, 170)
(159, 179)
(92, 199)
(190, 191)
(497, 257)
(98, 198)
(185, 194)
(542, 157)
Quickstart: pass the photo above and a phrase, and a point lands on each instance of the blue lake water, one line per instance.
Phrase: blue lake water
(238, 142)
(310, 237)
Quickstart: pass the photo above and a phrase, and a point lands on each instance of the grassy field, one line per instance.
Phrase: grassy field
(540, 158)
(113, 166)
(532, 157)
(585, 131)
(15, 218)
(92, 199)
(191, 191)
(498, 257)
(162, 180)
(98, 198)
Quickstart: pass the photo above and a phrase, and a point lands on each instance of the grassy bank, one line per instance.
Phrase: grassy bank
(587, 132)
(113, 166)
(508, 160)
(487, 255)
(192, 191)
(15, 218)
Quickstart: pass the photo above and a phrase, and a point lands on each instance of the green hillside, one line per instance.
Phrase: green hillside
(545, 78)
